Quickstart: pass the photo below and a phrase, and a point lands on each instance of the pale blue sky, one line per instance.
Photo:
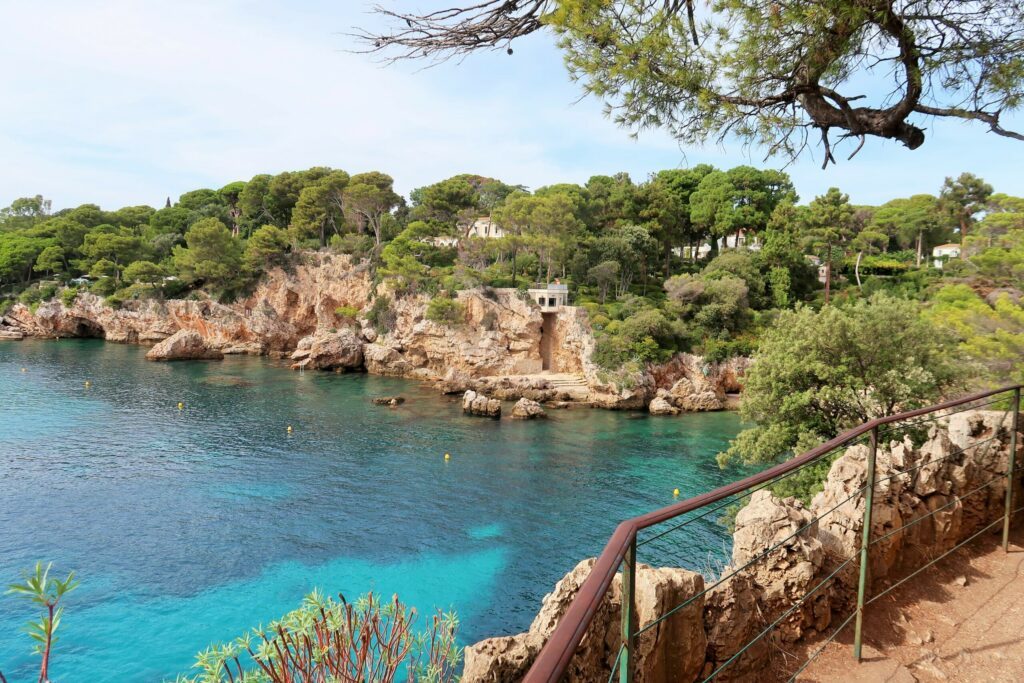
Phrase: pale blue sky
(127, 102)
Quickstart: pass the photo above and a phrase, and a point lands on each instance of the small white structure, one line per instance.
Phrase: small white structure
(79, 281)
(944, 252)
(550, 297)
(441, 241)
(486, 228)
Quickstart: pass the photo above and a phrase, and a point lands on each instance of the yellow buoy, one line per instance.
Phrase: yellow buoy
(88, 384)
(447, 456)
(289, 429)
(23, 369)
(181, 406)
(675, 493)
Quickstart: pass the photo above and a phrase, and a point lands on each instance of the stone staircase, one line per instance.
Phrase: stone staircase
(574, 385)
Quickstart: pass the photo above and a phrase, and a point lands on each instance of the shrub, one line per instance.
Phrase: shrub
(445, 310)
(382, 315)
(68, 296)
(350, 312)
(335, 640)
(489, 321)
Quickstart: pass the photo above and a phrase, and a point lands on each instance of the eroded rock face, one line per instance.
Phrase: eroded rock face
(661, 406)
(184, 345)
(478, 404)
(525, 409)
(672, 652)
(330, 350)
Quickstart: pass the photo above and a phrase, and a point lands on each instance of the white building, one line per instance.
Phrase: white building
(486, 228)
(944, 252)
(550, 297)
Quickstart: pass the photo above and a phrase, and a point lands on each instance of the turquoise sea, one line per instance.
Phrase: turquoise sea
(189, 526)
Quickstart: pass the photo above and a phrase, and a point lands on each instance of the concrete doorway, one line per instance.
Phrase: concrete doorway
(547, 335)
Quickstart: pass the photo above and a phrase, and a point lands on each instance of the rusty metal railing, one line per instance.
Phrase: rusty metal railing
(620, 553)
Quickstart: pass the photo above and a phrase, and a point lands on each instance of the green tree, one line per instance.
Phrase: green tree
(816, 374)
(18, 254)
(267, 247)
(50, 260)
(212, 256)
(604, 276)
(368, 198)
(320, 208)
(117, 245)
(915, 222)
(963, 199)
(828, 227)
(145, 273)
(772, 74)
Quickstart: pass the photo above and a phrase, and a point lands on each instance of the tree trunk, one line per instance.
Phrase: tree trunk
(856, 268)
(920, 239)
(827, 279)
(963, 237)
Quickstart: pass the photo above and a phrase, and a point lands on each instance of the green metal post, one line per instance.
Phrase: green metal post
(865, 542)
(626, 659)
(1011, 469)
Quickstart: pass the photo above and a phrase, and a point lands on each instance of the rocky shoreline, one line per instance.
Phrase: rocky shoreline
(714, 628)
(497, 349)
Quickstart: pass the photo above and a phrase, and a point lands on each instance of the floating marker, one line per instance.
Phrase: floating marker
(23, 369)
(675, 493)
(181, 406)
(88, 384)
(447, 456)
(289, 429)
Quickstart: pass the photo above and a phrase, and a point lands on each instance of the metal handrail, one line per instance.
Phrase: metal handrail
(553, 659)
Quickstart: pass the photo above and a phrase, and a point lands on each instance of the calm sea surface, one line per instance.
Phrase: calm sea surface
(190, 526)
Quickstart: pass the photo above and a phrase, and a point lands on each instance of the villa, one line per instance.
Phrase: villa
(944, 252)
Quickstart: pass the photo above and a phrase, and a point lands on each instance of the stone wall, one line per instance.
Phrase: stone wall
(954, 470)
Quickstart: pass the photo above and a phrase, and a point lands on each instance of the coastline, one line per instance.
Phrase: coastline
(505, 347)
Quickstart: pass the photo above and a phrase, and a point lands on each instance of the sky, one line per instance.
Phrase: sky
(130, 102)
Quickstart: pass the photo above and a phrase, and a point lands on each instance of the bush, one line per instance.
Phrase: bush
(382, 315)
(327, 640)
(68, 296)
(489, 321)
(445, 310)
(350, 312)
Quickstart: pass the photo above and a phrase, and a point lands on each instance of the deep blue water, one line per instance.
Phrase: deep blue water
(187, 527)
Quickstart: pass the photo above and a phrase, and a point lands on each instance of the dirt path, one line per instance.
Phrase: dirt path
(961, 620)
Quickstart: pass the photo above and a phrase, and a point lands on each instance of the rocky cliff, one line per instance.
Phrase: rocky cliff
(784, 550)
(496, 349)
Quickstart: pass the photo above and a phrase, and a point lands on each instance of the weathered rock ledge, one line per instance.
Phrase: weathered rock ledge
(947, 474)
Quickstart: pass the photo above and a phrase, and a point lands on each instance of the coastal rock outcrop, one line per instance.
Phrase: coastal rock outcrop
(478, 404)
(392, 401)
(783, 552)
(672, 652)
(184, 345)
(526, 409)
(329, 350)
(661, 406)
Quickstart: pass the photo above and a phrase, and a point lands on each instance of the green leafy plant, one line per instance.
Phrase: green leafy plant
(327, 640)
(382, 315)
(445, 310)
(47, 592)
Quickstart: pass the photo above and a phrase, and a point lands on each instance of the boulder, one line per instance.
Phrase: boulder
(184, 345)
(387, 401)
(11, 333)
(330, 350)
(478, 404)
(526, 409)
(661, 406)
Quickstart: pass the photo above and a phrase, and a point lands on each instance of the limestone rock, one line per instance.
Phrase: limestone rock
(184, 345)
(329, 350)
(661, 406)
(478, 404)
(388, 401)
(526, 409)
(671, 653)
